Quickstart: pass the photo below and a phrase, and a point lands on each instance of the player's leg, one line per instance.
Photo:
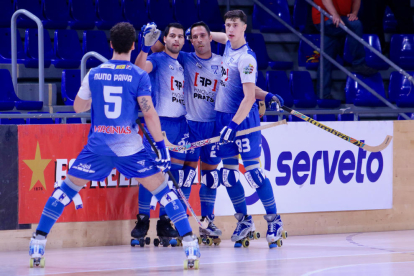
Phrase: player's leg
(250, 147)
(151, 178)
(87, 166)
(143, 223)
(230, 178)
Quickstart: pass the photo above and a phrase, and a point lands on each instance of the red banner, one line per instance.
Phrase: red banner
(45, 154)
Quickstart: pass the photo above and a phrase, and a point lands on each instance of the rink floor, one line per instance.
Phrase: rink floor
(378, 253)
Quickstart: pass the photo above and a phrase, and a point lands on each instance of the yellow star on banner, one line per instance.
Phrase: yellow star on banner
(38, 166)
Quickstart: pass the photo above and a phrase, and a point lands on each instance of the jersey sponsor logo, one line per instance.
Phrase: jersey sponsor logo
(109, 66)
(120, 67)
(178, 84)
(128, 67)
(215, 69)
(112, 129)
(248, 69)
(145, 169)
(142, 163)
(123, 77)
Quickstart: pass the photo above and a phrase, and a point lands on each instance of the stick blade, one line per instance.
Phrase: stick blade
(380, 147)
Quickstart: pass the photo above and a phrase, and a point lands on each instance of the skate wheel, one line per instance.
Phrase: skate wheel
(165, 242)
(134, 242)
(179, 243)
(284, 234)
(245, 243)
(141, 242)
(237, 245)
(196, 264)
(42, 262)
(256, 235)
(279, 243)
(31, 263)
(200, 240)
(156, 242)
(147, 241)
(185, 264)
(209, 241)
(272, 245)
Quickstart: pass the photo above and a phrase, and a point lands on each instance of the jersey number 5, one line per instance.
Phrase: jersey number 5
(114, 101)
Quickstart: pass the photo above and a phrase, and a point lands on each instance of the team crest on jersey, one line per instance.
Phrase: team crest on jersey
(199, 65)
(120, 67)
(109, 66)
(171, 67)
(181, 69)
(128, 67)
(215, 69)
(248, 69)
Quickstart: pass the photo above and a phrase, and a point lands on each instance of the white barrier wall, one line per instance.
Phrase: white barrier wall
(312, 170)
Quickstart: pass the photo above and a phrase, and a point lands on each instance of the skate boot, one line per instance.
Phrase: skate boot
(210, 235)
(37, 250)
(275, 231)
(192, 253)
(167, 235)
(140, 231)
(245, 231)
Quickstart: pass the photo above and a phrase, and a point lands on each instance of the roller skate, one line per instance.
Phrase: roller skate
(167, 235)
(275, 231)
(192, 253)
(245, 231)
(140, 231)
(37, 250)
(210, 235)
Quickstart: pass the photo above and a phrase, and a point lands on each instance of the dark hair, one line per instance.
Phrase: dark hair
(123, 36)
(234, 14)
(200, 23)
(173, 25)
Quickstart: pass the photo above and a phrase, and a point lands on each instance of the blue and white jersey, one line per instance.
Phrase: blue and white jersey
(167, 79)
(239, 66)
(202, 82)
(114, 87)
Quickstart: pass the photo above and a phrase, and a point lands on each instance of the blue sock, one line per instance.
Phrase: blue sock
(61, 197)
(258, 180)
(208, 191)
(265, 193)
(144, 201)
(173, 208)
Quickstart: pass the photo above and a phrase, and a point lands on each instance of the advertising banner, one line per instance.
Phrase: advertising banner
(45, 154)
(312, 170)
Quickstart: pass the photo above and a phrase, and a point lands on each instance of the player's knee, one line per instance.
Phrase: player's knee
(189, 176)
(229, 177)
(178, 176)
(256, 177)
(211, 179)
(63, 196)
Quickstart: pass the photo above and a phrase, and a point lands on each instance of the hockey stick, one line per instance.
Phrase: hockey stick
(203, 224)
(353, 141)
(205, 142)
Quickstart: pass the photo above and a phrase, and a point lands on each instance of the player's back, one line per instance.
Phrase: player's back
(115, 86)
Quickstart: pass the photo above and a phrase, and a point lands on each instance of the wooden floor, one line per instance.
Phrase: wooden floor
(379, 253)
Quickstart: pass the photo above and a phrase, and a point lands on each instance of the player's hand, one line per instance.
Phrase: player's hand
(188, 34)
(336, 19)
(150, 35)
(274, 101)
(352, 17)
(163, 161)
(228, 133)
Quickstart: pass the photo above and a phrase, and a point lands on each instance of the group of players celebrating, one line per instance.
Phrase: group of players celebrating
(190, 96)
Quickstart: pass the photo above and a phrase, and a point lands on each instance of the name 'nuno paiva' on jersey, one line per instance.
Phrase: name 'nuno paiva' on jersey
(117, 77)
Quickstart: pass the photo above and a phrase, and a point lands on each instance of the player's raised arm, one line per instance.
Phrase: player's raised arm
(83, 100)
(269, 98)
(219, 37)
(149, 38)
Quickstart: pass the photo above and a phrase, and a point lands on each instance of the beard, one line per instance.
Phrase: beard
(174, 51)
